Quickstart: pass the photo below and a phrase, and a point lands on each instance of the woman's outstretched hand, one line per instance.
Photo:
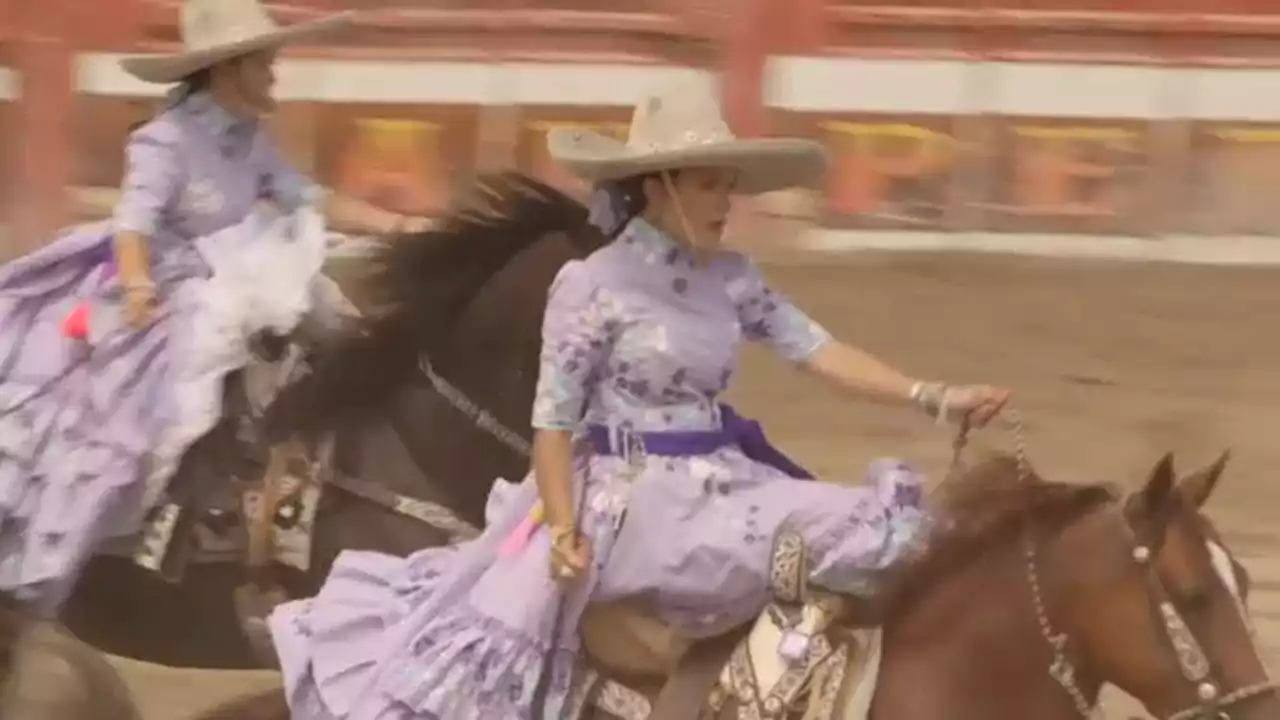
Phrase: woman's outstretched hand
(978, 403)
(975, 404)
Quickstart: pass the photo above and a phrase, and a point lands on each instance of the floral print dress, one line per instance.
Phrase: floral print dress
(638, 342)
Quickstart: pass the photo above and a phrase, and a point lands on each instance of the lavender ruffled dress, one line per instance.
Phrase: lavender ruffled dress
(638, 343)
(92, 424)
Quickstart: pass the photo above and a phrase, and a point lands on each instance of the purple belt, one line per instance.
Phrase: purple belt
(735, 430)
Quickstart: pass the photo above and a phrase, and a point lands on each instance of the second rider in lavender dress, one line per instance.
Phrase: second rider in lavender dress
(115, 337)
(639, 343)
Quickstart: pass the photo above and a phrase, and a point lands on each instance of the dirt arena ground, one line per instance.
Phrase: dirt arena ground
(1112, 365)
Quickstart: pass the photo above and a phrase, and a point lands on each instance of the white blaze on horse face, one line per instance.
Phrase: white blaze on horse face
(1222, 564)
(1220, 559)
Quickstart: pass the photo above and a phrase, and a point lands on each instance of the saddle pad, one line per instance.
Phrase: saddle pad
(294, 521)
(219, 535)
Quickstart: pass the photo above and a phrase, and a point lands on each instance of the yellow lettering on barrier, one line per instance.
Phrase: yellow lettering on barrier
(1068, 170)
(867, 157)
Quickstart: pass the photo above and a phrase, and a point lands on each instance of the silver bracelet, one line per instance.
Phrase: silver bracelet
(932, 398)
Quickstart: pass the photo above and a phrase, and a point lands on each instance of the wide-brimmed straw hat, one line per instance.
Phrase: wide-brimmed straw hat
(683, 127)
(217, 30)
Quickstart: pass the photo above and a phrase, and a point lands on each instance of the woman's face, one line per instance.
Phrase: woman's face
(692, 205)
(247, 81)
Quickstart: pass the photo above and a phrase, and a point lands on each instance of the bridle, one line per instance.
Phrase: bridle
(1211, 702)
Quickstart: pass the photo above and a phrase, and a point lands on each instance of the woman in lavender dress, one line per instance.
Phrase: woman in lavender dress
(116, 336)
(638, 345)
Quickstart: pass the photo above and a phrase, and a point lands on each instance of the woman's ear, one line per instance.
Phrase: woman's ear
(655, 191)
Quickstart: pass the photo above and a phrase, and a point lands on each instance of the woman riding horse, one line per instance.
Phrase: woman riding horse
(119, 335)
(677, 497)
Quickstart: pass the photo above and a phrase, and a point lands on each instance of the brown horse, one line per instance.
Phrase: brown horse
(467, 297)
(1040, 593)
(1032, 596)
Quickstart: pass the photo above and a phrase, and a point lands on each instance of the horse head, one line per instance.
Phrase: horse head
(1051, 590)
(1075, 586)
(1162, 612)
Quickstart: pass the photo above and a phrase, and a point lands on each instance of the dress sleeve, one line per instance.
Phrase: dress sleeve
(769, 317)
(577, 334)
(152, 177)
(289, 186)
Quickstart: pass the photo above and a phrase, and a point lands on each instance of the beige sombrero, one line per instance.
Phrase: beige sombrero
(684, 127)
(217, 30)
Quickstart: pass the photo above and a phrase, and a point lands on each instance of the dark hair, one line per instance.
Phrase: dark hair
(197, 81)
(629, 193)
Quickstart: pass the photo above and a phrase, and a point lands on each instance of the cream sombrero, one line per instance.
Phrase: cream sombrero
(217, 30)
(684, 127)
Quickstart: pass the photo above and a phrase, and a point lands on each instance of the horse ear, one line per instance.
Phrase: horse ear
(1198, 486)
(1151, 505)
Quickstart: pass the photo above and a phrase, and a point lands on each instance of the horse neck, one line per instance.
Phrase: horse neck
(462, 459)
(974, 640)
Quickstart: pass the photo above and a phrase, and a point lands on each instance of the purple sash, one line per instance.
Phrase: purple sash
(735, 430)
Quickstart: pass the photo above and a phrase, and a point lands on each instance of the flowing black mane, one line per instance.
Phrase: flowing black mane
(418, 287)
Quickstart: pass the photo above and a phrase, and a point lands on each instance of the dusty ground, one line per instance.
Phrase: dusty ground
(1113, 364)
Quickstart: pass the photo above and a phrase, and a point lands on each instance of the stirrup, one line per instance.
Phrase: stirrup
(156, 550)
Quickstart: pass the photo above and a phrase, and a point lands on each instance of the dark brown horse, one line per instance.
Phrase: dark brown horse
(467, 298)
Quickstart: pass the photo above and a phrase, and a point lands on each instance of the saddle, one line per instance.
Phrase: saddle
(798, 652)
(210, 510)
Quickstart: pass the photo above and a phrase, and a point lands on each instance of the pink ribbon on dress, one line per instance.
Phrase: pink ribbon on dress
(76, 323)
(520, 536)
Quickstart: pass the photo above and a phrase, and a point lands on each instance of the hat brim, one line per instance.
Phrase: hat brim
(174, 67)
(763, 165)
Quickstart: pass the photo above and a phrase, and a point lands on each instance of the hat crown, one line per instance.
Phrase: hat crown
(209, 24)
(679, 117)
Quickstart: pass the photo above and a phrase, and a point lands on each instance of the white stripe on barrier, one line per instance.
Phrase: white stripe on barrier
(408, 81)
(1192, 250)
(1187, 249)
(9, 80)
(816, 84)
(836, 84)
